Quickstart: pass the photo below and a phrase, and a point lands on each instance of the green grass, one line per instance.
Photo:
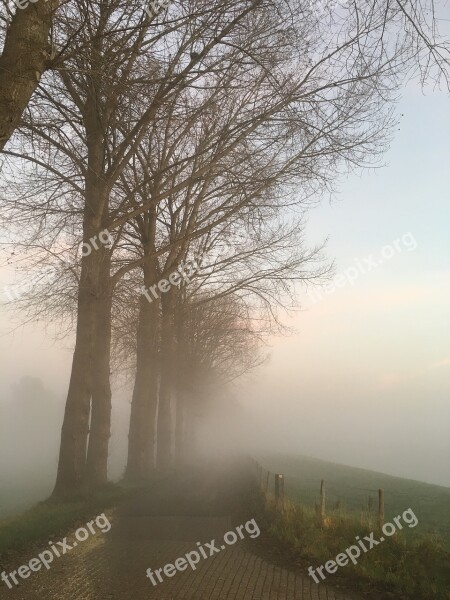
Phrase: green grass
(352, 487)
(401, 566)
(50, 519)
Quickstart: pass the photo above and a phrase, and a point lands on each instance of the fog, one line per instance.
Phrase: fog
(362, 380)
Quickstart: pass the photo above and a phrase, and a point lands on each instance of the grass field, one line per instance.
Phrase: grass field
(352, 487)
(51, 519)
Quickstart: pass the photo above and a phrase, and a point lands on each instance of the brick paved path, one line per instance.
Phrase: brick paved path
(147, 534)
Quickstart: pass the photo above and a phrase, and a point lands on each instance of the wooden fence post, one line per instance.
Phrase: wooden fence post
(322, 500)
(279, 489)
(381, 507)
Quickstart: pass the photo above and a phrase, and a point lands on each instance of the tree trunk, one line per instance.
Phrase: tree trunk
(182, 382)
(189, 435)
(75, 429)
(180, 418)
(168, 357)
(72, 458)
(100, 430)
(141, 439)
(25, 57)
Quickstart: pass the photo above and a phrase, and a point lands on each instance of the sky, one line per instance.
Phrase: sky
(365, 378)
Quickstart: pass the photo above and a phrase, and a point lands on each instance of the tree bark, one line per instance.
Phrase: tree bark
(141, 439)
(71, 476)
(182, 383)
(168, 357)
(189, 435)
(75, 429)
(180, 424)
(100, 430)
(25, 56)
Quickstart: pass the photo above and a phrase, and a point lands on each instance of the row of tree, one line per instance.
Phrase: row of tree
(204, 132)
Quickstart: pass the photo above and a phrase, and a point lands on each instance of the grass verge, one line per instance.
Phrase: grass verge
(401, 567)
(50, 519)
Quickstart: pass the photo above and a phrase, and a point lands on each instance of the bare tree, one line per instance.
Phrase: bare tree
(299, 99)
(26, 54)
(218, 340)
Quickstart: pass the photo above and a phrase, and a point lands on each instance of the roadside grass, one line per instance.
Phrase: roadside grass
(52, 518)
(352, 487)
(402, 566)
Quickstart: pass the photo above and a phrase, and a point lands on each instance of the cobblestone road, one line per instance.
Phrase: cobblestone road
(112, 566)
